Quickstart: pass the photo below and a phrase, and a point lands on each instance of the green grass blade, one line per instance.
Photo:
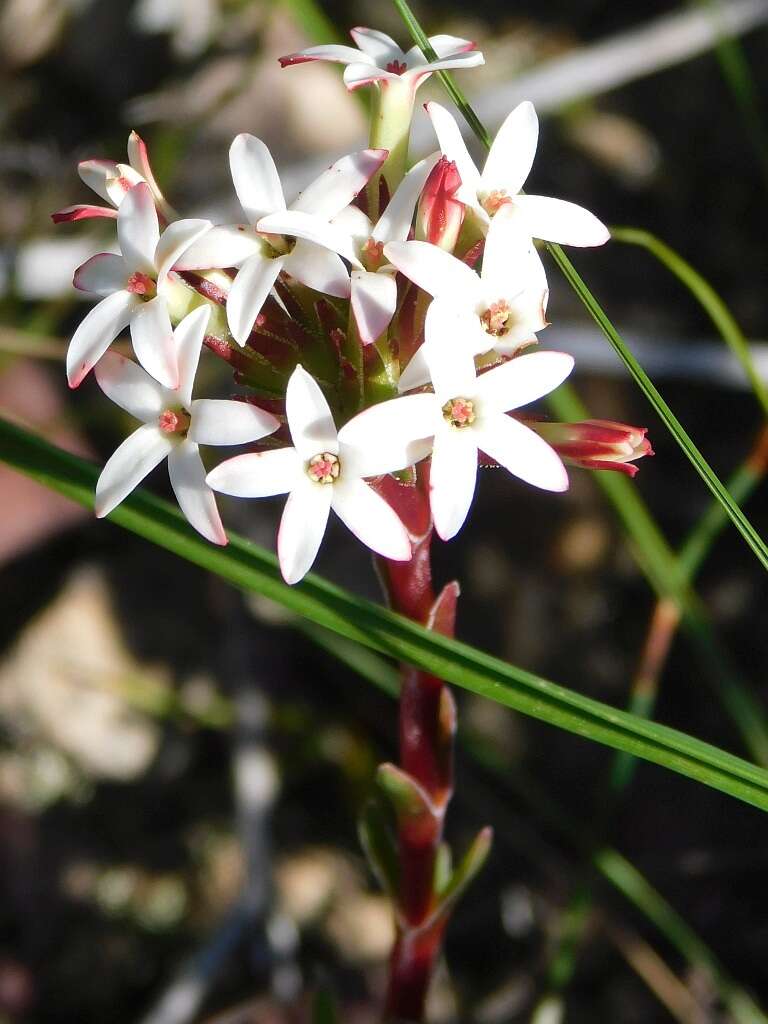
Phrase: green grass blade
(249, 567)
(668, 577)
(673, 424)
(707, 297)
(628, 880)
(738, 77)
(598, 314)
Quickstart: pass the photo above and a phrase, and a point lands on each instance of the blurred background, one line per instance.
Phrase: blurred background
(180, 767)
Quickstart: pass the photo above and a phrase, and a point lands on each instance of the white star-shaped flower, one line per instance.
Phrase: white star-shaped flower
(374, 291)
(133, 286)
(324, 470)
(504, 305)
(467, 413)
(173, 425)
(380, 59)
(112, 181)
(298, 240)
(507, 166)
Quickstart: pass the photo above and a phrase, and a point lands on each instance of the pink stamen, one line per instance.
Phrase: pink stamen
(397, 67)
(495, 200)
(141, 284)
(496, 318)
(324, 468)
(373, 254)
(173, 421)
(459, 412)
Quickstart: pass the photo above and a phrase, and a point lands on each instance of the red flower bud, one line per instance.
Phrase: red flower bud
(596, 444)
(441, 214)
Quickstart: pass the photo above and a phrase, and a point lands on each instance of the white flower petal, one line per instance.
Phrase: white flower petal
(447, 352)
(381, 48)
(522, 452)
(97, 332)
(454, 148)
(153, 341)
(555, 220)
(95, 174)
(309, 417)
(196, 499)
(339, 184)
(352, 221)
(452, 479)
(257, 182)
(188, 340)
(457, 62)
(511, 156)
(416, 373)
(372, 519)
(249, 292)
(445, 46)
(434, 270)
(118, 186)
(220, 421)
(138, 230)
(138, 158)
(137, 455)
(522, 380)
(131, 387)
(395, 223)
(318, 268)
(225, 245)
(177, 238)
(302, 527)
(306, 225)
(102, 274)
(509, 263)
(374, 301)
(362, 73)
(82, 211)
(258, 474)
(390, 436)
(338, 54)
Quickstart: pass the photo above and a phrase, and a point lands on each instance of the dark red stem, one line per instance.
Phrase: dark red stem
(427, 729)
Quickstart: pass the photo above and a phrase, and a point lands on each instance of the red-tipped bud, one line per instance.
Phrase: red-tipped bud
(596, 444)
(441, 214)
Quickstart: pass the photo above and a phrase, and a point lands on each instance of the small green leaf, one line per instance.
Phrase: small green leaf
(379, 846)
(468, 868)
(409, 800)
(443, 867)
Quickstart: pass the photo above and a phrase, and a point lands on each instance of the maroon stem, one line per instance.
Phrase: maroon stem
(427, 728)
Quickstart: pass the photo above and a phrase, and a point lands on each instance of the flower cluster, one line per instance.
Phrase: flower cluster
(365, 339)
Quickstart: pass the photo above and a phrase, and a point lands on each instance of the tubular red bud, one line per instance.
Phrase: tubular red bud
(596, 444)
(441, 214)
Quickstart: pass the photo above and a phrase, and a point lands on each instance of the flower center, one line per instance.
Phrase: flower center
(372, 255)
(496, 320)
(495, 200)
(397, 67)
(174, 421)
(324, 468)
(141, 284)
(278, 245)
(459, 412)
